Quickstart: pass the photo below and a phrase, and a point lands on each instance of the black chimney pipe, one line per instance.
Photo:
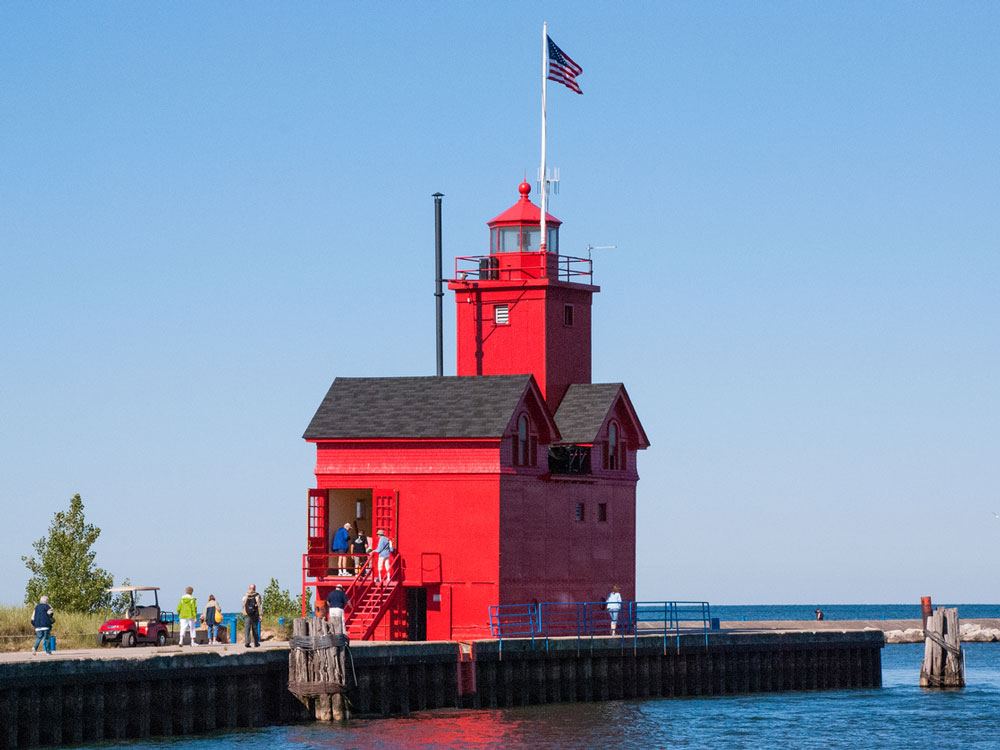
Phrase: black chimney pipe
(439, 303)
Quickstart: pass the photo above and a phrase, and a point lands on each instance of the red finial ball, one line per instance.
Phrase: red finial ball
(524, 188)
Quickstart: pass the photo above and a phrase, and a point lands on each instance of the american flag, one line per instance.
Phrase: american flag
(561, 68)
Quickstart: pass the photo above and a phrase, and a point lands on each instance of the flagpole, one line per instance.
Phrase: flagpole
(542, 181)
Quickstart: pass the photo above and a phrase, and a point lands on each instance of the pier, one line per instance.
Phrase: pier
(85, 696)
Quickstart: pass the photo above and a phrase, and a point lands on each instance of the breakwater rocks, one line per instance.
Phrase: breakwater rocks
(977, 630)
(970, 632)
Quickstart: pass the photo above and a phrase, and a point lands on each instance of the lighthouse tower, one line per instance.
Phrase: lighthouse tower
(525, 310)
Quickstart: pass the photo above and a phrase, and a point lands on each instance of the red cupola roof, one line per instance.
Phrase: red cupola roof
(523, 212)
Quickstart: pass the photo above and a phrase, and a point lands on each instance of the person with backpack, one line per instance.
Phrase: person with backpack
(252, 609)
(359, 549)
(41, 621)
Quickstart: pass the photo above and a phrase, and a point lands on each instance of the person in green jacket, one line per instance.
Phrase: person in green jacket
(187, 613)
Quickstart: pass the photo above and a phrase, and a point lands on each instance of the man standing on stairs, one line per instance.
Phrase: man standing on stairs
(383, 551)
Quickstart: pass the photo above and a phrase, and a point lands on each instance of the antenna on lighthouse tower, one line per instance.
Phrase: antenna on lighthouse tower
(551, 179)
(591, 248)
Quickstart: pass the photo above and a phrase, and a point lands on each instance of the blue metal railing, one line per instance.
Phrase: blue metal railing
(514, 621)
(588, 619)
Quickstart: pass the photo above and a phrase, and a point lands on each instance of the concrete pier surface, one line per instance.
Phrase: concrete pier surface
(733, 626)
(137, 653)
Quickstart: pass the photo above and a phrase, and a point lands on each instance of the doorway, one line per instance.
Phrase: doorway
(416, 613)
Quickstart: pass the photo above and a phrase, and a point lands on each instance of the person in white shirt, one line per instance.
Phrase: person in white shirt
(614, 605)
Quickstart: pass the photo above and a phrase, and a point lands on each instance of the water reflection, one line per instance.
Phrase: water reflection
(899, 715)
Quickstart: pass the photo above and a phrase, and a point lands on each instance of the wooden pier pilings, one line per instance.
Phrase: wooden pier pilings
(55, 701)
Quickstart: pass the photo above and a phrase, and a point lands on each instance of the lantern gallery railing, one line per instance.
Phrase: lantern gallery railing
(588, 619)
(523, 266)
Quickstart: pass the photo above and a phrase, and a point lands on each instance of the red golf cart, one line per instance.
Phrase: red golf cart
(141, 623)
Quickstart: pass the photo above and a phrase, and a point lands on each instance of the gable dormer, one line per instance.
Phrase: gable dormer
(529, 432)
(600, 431)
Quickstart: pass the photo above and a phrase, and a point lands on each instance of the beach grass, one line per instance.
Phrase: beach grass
(71, 629)
(79, 630)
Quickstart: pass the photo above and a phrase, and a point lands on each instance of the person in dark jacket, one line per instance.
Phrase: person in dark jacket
(338, 602)
(340, 546)
(42, 620)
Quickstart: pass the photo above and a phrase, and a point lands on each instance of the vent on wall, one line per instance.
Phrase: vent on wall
(501, 315)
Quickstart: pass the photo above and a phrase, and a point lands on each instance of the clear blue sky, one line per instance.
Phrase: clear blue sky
(209, 211)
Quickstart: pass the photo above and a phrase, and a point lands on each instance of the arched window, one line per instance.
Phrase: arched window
(525, 443)
(614, 451)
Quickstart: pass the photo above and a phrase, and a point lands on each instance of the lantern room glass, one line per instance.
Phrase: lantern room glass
(522, 239)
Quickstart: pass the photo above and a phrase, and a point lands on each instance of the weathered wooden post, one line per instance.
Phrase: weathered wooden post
(316, 667)
(336, 666)
(944, 662)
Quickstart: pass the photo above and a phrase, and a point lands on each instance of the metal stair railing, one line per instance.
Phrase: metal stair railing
(373, 599)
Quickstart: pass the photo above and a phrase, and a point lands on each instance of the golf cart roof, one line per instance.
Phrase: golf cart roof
(134, 588)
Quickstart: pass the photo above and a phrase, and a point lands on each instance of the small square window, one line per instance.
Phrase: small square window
(567, 315)
(579, 512)
(501, 315)
(602, 512)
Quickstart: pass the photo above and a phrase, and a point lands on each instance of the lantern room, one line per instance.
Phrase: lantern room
(515, 243)
(518, 229)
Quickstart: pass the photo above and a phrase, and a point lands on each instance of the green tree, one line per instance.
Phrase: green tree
(63, 565)
(278, 602)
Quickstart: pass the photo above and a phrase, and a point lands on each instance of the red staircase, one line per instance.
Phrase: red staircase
(370, 600)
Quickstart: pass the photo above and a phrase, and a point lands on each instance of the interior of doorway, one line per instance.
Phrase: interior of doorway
(353, 506)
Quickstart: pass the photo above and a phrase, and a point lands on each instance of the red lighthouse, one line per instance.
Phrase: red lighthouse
(512, 482)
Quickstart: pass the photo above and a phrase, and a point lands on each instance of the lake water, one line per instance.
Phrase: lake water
(845, 611)
(899, 715)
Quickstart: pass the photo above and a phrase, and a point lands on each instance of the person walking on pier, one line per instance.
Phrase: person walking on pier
(340, 546)
(252, 609)
(211, 621)
(614, 605)
(383, 550)
(42, 620)
(187, 613)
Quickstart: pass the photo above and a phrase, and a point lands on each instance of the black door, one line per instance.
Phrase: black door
(416, 613)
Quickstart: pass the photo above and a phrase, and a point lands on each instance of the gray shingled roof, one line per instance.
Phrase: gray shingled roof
(584, 409)
(424, 407)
